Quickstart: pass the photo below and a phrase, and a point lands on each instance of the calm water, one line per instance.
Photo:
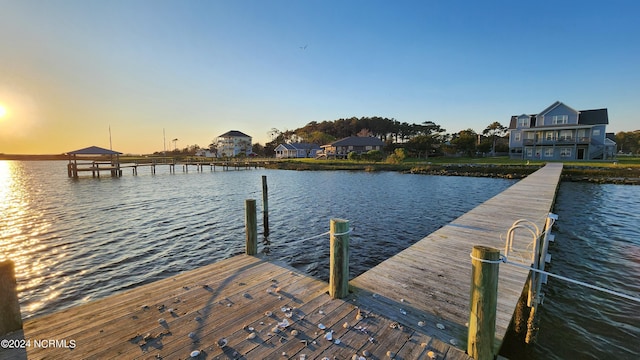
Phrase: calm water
(78, 240)
(598, 242)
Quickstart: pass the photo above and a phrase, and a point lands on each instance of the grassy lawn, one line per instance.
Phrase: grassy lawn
(618, 171)
(502, 160)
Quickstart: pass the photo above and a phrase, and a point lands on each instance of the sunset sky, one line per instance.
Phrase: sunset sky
(70, 69)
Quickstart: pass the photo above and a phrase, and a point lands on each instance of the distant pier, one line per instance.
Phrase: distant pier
(116, 169)
(97, 160)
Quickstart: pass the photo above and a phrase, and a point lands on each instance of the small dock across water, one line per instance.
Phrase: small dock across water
(115, 169)
(414, 305)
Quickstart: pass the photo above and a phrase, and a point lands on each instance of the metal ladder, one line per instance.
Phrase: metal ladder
(539, 253)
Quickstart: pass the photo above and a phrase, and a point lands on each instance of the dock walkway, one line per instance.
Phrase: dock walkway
(411, 306)
(433, 276)
(231, 299)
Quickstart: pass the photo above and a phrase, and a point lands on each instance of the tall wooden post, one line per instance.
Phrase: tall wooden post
(251, 226)
(10, 317)
(265, 206)
(339, 259)
(483, 302)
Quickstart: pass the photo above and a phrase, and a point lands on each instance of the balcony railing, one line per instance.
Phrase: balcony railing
(560, 141)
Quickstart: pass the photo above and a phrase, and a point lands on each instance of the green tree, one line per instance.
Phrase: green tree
(320, 138)
(421, 144)
(258, 149)
(373, 155)
(629, 141)
(495, 129)
(398, 156)
(465, 141)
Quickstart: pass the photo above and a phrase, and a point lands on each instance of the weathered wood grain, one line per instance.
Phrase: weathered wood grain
(434, 275)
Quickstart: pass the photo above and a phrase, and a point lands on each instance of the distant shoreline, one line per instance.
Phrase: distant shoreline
(601, 175)
(33, 157)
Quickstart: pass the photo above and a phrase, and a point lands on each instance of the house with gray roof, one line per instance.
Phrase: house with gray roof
(297, 150)
(358, 144)
(560, 132)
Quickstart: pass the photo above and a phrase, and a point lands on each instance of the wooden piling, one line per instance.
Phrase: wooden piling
(265, 206)
(10, 317)
(483, 302)
(339, 259)
(251, 227)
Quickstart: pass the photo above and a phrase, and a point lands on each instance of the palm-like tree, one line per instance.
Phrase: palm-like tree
(494, 129)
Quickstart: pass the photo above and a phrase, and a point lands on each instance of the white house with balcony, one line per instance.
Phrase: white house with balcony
(561, 133)
(233, 143)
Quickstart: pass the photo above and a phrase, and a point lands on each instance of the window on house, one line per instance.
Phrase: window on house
(565, 152)
(596, 132)
(517, 136)
(560, 119)
(548, 152)
(523, 122)
(566, 135)
(529, 152)
(548, 135)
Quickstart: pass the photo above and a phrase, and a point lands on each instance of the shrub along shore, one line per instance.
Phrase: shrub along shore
(595, 172)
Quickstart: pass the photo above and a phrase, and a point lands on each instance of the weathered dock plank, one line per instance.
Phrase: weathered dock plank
(243, 300)
(433, 276)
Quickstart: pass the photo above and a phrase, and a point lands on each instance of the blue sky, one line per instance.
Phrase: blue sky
(70, 69)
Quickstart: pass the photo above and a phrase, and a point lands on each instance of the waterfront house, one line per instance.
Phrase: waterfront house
(357, 144)
(204, 153)
(297, 150)
(561, 133)
(233, 143)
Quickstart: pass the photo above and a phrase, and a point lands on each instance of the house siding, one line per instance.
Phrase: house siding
(574, 139)
(559, 110)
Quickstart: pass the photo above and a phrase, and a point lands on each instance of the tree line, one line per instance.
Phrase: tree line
(419, 140)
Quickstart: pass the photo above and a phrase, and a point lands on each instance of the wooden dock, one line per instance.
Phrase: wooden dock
(433, 276)
(115, 169)
(231, 299)
(412, 306)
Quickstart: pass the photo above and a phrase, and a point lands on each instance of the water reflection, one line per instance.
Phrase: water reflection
(22, 227)
(266, 248)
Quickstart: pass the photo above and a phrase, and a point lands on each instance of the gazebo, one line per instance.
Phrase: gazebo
(109, 159)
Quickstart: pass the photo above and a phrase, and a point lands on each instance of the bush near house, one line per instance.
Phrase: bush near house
(398, 156)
